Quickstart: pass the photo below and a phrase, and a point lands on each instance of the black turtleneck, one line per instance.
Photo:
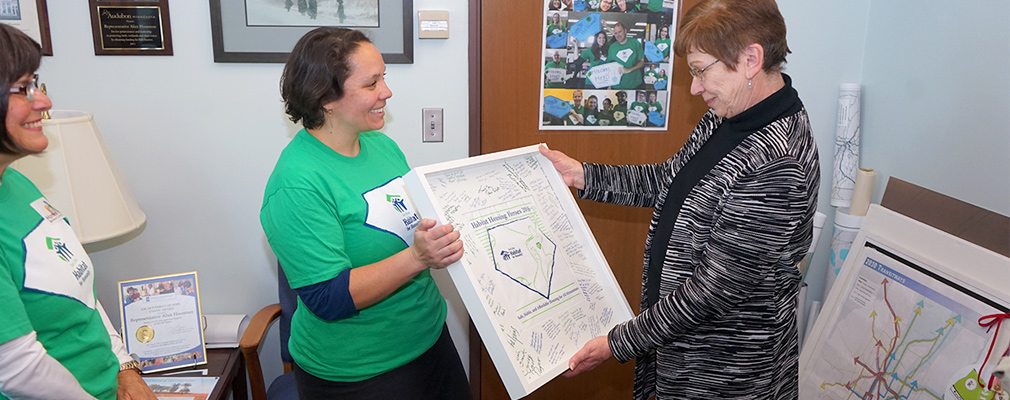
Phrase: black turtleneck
(727, 136)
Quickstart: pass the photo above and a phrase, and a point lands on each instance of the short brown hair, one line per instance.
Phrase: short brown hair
(724, 28)
(315, 72)
(19, 55)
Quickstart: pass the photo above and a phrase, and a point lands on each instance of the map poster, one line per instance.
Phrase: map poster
(532, 276)
(162, 323)
(899, 330)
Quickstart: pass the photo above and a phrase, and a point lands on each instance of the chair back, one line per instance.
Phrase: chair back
(284, 386)
(288, 299)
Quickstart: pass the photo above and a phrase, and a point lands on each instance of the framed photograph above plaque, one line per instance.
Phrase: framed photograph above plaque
(31, 17)
(131, 27)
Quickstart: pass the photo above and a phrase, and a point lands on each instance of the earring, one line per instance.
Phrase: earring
(750, 85)
(329, 111)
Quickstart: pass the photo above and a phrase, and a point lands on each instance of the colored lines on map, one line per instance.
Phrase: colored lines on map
(890, 372)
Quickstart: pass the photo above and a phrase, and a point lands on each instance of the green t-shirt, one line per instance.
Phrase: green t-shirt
(606, 118)
(324, 213)
(664, 46)
(591, 116)
(620, 114)
(593, 61)
(640, 106)
(573, 120)
(656, 107)
(47, 284)
(554, 29)
(555, 65)
(627, 54)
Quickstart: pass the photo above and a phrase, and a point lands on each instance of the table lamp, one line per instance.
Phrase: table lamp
(79, 177)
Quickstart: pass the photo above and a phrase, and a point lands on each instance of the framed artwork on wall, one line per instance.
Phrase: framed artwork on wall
(32, 17)
(264, 31)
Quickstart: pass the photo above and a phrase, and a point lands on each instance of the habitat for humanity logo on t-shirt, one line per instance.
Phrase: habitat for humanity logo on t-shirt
(55, 262)
(389, 210)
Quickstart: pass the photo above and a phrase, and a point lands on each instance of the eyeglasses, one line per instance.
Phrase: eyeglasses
(697, 73)
(30, 90)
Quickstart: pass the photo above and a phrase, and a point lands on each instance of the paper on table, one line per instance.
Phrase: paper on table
(224, 330)
(196, 388)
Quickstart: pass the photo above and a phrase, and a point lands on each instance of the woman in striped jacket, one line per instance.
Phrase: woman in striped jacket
(732, 219)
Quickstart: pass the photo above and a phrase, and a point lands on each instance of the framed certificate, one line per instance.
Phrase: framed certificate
(532, 276)
(161, 320)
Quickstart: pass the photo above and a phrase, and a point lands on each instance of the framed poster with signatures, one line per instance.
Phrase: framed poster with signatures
(532, 276)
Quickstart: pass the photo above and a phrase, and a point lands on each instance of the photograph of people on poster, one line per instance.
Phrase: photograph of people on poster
(607, 64)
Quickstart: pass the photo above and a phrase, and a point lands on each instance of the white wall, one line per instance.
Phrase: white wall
(936, 94)
(827, 40)
(196, 141)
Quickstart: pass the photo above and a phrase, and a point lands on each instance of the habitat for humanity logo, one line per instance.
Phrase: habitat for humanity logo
(409, 217)
(60, 247)
(81, 271)
(511, 253)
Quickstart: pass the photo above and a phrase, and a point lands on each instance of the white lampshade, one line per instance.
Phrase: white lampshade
(79, 177)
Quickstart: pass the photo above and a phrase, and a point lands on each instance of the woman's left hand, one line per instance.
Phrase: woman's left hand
(133, 387)
(594, 353)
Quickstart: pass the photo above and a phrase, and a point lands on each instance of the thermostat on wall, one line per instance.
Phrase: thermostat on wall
(433, 24)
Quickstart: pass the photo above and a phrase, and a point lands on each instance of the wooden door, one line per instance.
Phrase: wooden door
(506, 65)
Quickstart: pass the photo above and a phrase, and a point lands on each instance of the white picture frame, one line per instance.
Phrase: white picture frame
(920, 261)
(516, 217)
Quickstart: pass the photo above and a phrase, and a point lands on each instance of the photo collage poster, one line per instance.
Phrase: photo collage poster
(607, 64)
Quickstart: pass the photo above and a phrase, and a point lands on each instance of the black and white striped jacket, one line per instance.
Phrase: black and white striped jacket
(725, 323)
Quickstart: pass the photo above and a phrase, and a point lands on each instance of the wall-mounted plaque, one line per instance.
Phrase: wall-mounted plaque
(131, 27)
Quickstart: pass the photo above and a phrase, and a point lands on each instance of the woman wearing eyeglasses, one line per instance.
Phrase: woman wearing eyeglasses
(732, 218)
(55, 340)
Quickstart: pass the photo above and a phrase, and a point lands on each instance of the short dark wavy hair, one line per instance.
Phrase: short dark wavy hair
(724, 28)
(19, 55)
(315, 72)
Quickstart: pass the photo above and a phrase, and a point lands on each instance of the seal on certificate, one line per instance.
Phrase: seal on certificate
(145, 334)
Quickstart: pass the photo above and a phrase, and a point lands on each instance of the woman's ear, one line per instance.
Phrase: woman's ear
(753, 59)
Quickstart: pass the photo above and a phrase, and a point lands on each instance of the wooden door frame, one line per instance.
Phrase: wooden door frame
(474, 150)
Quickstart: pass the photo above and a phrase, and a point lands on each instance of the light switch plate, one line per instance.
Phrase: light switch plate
(431, 121)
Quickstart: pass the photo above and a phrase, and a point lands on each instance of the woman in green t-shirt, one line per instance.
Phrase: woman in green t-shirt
(555, 27)
(595, 54)
(663, 43)
(56, 342)
(591, 113)
(370, 322)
